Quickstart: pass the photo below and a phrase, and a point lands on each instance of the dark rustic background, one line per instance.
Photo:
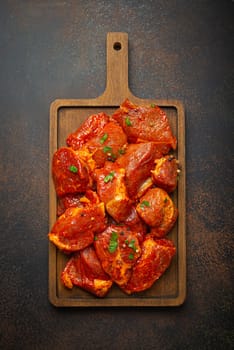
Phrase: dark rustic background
(56, 49)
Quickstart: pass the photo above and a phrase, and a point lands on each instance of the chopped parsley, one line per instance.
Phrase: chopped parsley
(113, 244)
(131, 256)
(104, 138)
(128, 121)
(107, 149)
(121, 151)
(73, 169)
(153, 105)
(109, 177)
(144, 204)
(131, 244)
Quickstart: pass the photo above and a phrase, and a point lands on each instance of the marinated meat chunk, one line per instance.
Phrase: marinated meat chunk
(112, 191)
(136, 224)
(118, 249)
(108, 144)
(84, 270)
(91, 127)
(68, 201)
(77, 200)
(74, 230)
(142, 124)
(151, 207)
(138, 161)
(145, 186)
(155, 259)
(70, 173)
(165, 173)
(158, 211)
(102, 137)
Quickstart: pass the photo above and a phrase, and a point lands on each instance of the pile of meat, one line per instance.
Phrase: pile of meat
(113, 182)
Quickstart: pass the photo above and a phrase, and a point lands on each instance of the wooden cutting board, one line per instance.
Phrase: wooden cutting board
(66, 116)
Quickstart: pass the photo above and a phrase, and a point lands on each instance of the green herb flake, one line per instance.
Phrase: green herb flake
(73, 169)
(110, 155)
(107, 149)
(153, 105)
(131, 244)
(165, 200)
(144, 204)
(109, 177)
(131, 256)
(95, 238)
(104, 138)
(113, 244)
(128, 121)
(122, 151)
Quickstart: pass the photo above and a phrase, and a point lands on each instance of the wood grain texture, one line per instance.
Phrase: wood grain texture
(65, 116)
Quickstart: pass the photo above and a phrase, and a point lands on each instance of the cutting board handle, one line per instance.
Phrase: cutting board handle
(116, 68)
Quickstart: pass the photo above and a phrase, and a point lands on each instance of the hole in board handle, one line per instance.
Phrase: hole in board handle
(117, 46)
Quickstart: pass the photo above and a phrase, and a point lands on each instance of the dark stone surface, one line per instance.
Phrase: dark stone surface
(56, 49)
